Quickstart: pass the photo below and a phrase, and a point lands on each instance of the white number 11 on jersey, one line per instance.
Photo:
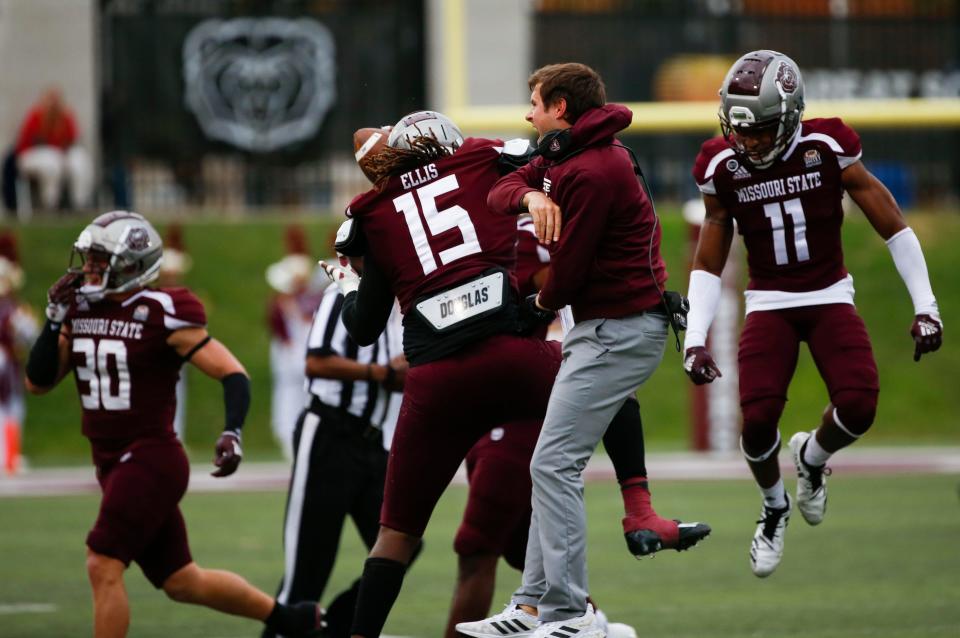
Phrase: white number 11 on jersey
(794, 208)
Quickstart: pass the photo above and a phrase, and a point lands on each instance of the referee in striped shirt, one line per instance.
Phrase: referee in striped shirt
(340, 453)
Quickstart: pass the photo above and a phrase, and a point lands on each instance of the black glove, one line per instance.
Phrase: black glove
(927, 334)
(700, 366)
(61, 294)
(678, 306)
(228, 454)
(532, 316)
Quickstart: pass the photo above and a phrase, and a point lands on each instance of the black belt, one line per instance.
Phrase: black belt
(423, 344)
(348, 422)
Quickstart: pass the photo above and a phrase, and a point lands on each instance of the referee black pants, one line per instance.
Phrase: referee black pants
(338, 471)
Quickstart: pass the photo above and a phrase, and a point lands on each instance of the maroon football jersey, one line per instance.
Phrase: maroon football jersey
(789, 214)
(430, 228)
(125, 372)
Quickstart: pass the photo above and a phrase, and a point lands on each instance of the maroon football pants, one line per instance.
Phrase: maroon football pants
(769, 347)
(140, 517)
(448, 405)
(497, 516)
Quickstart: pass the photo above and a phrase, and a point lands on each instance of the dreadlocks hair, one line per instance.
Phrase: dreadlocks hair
(392, 161)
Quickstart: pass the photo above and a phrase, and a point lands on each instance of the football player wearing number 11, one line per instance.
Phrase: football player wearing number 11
(125, 343)
(782, 180)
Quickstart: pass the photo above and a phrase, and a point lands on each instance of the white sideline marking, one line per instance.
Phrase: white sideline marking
(27, 608)
(862, 460)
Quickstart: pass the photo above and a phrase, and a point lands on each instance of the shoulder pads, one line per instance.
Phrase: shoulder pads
(350, 239)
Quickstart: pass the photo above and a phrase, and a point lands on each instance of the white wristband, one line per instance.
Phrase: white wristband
(704, 296)
(908, 258)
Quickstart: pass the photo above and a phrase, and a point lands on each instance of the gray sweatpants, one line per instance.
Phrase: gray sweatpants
(604, 361)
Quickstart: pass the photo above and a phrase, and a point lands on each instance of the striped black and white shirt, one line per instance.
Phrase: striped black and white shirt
(328, 336)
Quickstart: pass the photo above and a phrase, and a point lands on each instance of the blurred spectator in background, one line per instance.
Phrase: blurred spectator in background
(47, 151)
(176, 262)
(289, 313)
(18, 329)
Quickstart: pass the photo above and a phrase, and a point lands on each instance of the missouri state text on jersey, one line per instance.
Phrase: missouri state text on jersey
(789, 213)
(125, 371)
(429, 229)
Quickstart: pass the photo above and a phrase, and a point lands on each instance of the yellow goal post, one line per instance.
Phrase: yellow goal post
(687, 117)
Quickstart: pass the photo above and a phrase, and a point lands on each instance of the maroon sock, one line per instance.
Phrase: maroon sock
(640, 513)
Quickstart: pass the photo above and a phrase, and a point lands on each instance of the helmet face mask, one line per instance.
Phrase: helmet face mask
(117, 252)
(761, 104)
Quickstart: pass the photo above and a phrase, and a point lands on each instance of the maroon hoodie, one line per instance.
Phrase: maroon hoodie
(601, 266)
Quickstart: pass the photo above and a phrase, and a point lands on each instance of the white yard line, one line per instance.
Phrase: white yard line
(7, 609)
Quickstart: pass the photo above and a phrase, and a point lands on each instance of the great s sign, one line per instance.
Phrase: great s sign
(259, 84)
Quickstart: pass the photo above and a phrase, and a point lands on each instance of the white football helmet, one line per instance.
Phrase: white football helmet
(425, 124)
(127, 244)
(763, 90)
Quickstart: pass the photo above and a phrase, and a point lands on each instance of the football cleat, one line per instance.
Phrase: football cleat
(811, 482)
(766, 550)
(585, 626)
(512, 621)
(661, 534)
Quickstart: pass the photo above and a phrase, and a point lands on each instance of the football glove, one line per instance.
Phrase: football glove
(532, 316)
(61, 294)
(343, 275)
(228, 454)
(927, 333)
(700, 366)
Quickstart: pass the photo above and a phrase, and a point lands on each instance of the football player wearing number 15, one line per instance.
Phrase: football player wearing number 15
(125, 343)
(431, 241)
(782, 180)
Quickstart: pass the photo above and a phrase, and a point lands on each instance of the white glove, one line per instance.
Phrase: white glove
(343, 275)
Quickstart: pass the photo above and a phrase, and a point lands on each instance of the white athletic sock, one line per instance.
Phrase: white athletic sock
(776, 496)
(813, 454)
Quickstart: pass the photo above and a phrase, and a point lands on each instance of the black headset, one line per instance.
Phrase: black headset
(554, 144)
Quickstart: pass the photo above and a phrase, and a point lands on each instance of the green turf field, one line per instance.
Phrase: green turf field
(884, 563)
(918, 402)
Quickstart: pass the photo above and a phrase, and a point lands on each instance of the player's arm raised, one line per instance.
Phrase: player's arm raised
(716, 235)
(49, 359)
(884, 215)
(215, 360)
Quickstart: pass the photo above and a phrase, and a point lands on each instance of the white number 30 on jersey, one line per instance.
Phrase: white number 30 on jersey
(96, 373)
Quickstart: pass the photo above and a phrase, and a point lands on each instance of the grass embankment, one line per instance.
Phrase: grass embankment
(918, 402)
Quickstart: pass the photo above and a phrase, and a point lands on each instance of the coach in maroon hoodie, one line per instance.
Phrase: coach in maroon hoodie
(605, 263)
(602, 264)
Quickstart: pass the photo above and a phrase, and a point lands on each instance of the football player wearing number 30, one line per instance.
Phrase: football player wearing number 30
(125, 343)
(782, 180)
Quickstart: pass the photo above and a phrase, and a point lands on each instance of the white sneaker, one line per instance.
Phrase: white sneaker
(512, 621)
(811, 482)
(614, 629)
(620, 630)
(766, 550)
(585, 626)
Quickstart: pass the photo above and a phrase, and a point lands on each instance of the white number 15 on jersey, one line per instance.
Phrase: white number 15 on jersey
(438, 221)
